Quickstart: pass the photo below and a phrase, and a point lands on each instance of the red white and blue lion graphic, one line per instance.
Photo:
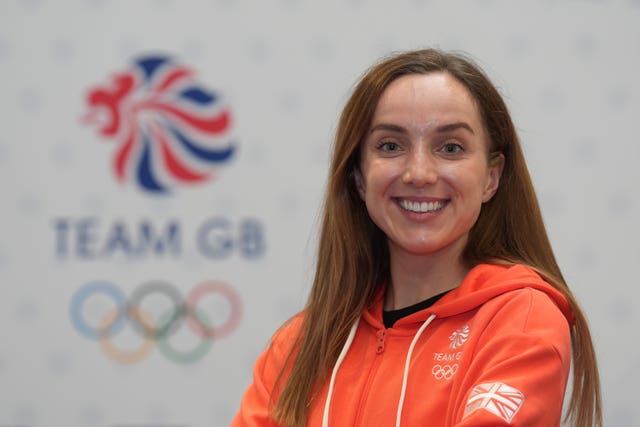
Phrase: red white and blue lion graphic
(169, 129)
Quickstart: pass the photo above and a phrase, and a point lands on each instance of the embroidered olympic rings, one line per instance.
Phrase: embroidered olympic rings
(129, 311)
(444, 371)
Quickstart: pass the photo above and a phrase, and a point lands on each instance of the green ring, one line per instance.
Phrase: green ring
(189, 356)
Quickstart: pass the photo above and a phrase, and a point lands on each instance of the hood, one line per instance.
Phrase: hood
(482, 283)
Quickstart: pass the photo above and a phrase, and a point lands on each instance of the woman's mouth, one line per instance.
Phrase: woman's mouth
(421, 207)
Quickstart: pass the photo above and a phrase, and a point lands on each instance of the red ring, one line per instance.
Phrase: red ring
(234, 317)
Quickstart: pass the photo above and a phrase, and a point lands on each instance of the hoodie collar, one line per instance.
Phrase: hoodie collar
(482, 283)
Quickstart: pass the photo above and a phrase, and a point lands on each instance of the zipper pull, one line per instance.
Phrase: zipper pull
(381, 334)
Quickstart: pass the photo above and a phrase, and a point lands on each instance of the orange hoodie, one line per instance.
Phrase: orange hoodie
(495, 351)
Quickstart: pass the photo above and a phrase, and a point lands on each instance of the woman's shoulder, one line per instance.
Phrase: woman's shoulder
(290, 328)
(528, 313)
(286, 336)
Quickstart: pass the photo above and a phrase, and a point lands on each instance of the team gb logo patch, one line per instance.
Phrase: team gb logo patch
(459, 337)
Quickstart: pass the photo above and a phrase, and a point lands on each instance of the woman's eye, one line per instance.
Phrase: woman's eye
(388, 146)
(452, 148)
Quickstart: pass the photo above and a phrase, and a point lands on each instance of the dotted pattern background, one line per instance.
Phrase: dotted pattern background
(568, 70)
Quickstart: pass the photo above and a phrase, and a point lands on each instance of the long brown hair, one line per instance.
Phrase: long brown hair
(353, 256)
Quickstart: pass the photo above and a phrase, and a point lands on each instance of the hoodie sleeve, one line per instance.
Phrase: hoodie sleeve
(519, 370)
(258, 399)
(254, 408)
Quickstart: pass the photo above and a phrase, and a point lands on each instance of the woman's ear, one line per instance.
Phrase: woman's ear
(359, 181)
(496, 165)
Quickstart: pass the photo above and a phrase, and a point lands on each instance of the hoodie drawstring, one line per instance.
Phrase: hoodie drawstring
(405, 375)
(343, 353)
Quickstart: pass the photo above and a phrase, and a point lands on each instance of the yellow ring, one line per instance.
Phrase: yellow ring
(125, 357)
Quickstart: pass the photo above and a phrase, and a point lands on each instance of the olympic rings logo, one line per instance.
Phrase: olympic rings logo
(444, 371)
(160, 330)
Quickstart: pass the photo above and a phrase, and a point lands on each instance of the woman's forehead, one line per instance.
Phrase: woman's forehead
(426, 101)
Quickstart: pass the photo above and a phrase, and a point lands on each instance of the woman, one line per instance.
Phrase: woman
(437, 299)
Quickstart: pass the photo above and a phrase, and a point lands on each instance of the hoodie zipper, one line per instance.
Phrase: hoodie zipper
(381, 334)
(373, 370)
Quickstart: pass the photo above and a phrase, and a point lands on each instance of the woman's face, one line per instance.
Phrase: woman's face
(424, 170)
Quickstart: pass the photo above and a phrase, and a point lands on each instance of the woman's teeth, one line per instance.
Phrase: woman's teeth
(421, 207)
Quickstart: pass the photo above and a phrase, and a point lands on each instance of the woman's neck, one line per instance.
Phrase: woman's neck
(415, 278)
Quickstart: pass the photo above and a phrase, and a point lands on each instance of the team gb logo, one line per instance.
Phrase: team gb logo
(169, 129)
(459, 337)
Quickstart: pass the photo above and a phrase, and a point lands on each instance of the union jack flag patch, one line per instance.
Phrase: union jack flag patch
(497, 398)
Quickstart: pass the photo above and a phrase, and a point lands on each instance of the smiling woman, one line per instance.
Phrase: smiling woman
(424, 172)
(437, 299)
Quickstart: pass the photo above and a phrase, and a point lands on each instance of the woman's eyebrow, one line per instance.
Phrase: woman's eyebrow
(388, 127)
(454, 126)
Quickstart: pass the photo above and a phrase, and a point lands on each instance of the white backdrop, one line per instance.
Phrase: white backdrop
(568, 70)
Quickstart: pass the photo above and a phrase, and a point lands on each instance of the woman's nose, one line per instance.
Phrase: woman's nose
(420, 169)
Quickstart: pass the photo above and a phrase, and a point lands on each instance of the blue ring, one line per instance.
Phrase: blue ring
(81, 295)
